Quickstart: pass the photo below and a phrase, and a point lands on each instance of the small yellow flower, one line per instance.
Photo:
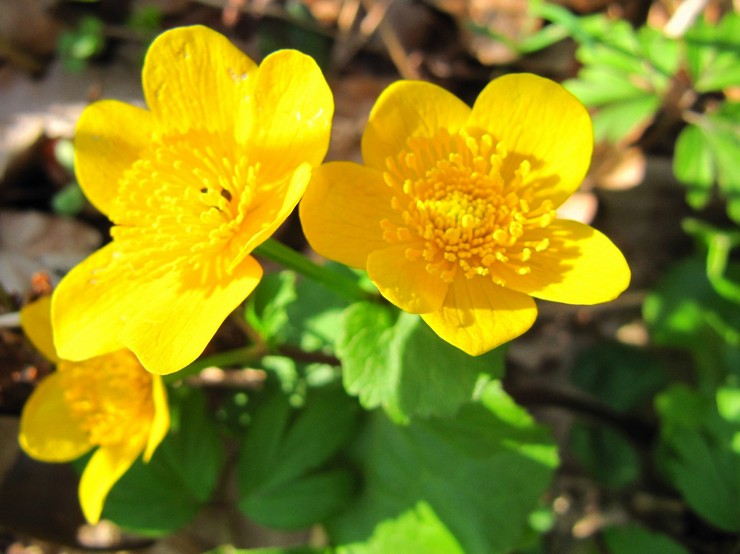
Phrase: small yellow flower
(453, 213)
(193, 185)
(110, 402)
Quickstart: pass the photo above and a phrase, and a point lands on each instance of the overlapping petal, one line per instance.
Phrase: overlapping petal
(194, 77)
(183, 317)
(287, 121)
(342, 209)
(540, 121)
(161, 418)
(49, 431)
(581, 266)
(407, 284)
(408, 109)
(105, 467)
(36, 323)
(108, 139)
(478, 315)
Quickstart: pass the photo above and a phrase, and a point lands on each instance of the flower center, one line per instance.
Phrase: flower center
(466, 207)
(110, 396)
(183, 201)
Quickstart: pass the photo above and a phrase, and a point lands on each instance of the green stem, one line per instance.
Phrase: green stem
(230, 358)
(287, 257)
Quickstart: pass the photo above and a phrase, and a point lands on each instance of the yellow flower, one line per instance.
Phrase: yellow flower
(453, 213)
(110, 402)
(193, 185)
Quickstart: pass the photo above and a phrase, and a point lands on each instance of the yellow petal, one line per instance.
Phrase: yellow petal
(406, 284)
(173, 318)
(342, 210)
(273, 204)
(478, 315)
(167, 320)
(106, 466)
(85, 312)
(581, 266)
(407, 109)
(161, 419)
(194, 77)
(48, 431)
(287, 121)
(108, 139)
(538, 120)
(36, 323)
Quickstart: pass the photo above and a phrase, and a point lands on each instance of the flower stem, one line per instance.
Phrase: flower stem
(230, 358)
(287, 257)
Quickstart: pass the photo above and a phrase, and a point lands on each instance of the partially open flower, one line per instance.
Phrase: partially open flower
(193, 185)
(453, 214)
(109, 402)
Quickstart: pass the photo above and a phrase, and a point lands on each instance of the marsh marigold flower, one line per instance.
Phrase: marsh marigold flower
(109, 402)
(192, 186)
(453, 214)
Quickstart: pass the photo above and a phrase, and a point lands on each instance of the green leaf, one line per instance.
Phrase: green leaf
(693, 165)
(418, 529)
(632, 539)
(481, 473)
(298, 312)
(685, 311)
(159, 497)
(283, 481)
(621, 376)
(396, 361)
(700, 454)
(605, 454)
(618, 120)
(713, 53)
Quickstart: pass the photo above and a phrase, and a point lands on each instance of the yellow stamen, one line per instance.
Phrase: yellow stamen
(467, 206)
(112, 399)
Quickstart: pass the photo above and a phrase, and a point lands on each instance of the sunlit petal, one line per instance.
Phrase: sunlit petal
(36, 323)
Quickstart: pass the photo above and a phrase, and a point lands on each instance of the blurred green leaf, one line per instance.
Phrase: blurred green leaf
(605, 454)
(633, 539)
(619, 120)
(619, 375)
(708, 150)
(282, 481)
(684, 311)
(69, 201)
(157, 498)
(700, 454)
(415, 530)
(77, 46)
(723, 275)
(713, 53)
(479, 473)
(693, 165)
(396, 361)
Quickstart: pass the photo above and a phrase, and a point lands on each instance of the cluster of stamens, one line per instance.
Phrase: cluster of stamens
(466, 206)
(183, 201)
(111, 399)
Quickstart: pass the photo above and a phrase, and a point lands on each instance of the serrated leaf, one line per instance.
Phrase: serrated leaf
(281, 480)
(699, 455)
(395, 361)
(156, 498)
(480, 473)
(713, 53)
(626, 119)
